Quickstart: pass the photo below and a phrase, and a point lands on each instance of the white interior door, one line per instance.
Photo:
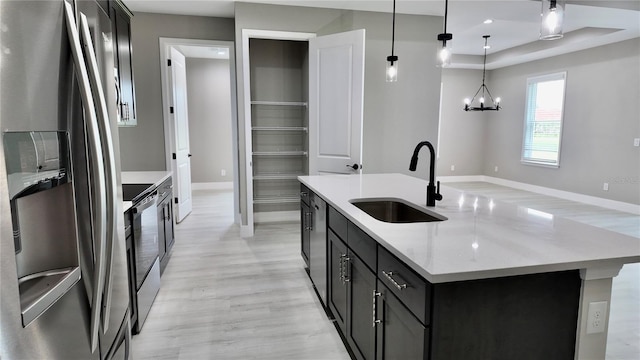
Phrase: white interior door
(182, 162)
(336, 90)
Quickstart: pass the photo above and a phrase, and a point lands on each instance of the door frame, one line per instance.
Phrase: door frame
(169, 139)
(247, 230)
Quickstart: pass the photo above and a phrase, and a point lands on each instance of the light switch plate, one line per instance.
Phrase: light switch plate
(636, 142)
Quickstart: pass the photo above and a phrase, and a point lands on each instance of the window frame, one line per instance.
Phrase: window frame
(538, 79)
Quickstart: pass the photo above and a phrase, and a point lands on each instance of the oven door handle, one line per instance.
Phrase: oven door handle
(145, 203)
(95, 154)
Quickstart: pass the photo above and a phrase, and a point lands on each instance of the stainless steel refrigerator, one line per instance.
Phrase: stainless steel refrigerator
(63, 273)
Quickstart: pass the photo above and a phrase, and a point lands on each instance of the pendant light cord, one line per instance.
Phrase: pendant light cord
(484, 62)
(393, 28)
(446, 11)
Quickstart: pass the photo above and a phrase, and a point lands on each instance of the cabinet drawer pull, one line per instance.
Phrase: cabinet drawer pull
(344, 269)
(375, 321)
(389, 276)
(309, 218)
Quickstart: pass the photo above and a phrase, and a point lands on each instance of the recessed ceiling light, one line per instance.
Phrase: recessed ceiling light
(488, 21)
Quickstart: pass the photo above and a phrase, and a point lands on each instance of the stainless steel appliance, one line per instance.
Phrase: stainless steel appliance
(64, 292)
(145, 254)
(318, 246)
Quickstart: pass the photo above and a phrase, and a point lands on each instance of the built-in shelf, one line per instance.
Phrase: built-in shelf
(279, 128)
(280, 103)
(280, 153)
(277, 176)
(276, 199)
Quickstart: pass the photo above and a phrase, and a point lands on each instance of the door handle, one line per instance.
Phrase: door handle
(100, 229)
(355, 166)
(104, 129)
(375, 320)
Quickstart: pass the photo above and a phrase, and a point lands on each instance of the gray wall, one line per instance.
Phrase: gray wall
(600, 122)
(209, 106)
(462, 134)
(142, 147)
(396, 116)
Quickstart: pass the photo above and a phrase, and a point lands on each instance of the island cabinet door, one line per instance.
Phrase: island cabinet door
(338, 281)
(399, 334)
(305, 231)
(361, 333)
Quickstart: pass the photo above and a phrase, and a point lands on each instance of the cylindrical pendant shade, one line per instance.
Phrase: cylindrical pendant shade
(552, 19)
(392, 69)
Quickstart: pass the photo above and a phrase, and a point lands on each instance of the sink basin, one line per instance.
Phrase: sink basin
(393, 210)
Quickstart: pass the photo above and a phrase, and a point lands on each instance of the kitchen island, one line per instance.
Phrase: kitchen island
(491, 245)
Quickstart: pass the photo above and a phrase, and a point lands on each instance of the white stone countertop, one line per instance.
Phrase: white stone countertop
(145, 177)
(482, 238)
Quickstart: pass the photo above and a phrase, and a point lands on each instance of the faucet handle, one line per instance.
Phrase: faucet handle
(437, 194)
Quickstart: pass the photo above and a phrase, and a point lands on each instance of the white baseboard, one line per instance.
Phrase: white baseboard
(567, 195)
(224, 185)
(446, 179)
(276, 216)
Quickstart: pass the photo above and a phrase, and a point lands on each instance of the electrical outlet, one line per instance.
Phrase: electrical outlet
(597, 317)
(605, 187)
(223, 172)
(453, 168)
(495, 169)
(636, 142)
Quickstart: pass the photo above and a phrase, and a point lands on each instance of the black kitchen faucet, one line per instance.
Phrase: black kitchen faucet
(433, 194)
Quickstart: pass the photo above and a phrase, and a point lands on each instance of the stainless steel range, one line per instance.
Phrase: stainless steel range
(146, 271)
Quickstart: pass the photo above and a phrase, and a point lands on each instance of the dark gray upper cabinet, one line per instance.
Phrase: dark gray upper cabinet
(125, 87)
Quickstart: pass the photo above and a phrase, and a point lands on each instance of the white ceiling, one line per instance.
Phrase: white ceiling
(514, 31)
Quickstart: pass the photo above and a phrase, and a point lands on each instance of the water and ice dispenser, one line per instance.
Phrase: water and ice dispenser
(43, 215)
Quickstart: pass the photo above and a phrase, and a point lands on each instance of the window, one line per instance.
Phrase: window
(543, 120)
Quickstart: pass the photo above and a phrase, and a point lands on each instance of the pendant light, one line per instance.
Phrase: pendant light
(552, 19)
(468, 104)
(444, 54)
(392, 60)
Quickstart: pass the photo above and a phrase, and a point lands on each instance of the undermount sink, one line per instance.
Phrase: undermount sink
(394, 210)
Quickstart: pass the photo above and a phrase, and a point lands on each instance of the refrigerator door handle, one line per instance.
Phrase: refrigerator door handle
(95, 155)
(108, 151)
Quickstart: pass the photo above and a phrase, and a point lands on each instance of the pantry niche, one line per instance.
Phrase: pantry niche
(279, 92)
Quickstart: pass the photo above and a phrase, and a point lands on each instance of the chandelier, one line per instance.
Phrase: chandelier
(469, 104)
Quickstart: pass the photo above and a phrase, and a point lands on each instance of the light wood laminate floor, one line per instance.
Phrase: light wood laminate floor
(225, 297)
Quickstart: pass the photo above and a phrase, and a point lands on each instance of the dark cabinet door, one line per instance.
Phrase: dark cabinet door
(361, 333)
(165, 229)
(162, 248)
(305, 231)
(338, 280)
(125, 89)
(168, 223)
(399, 334)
